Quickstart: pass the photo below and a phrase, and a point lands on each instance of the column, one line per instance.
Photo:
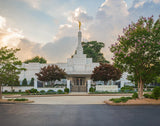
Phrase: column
(35, 82)
(89, 85)
(68, 84)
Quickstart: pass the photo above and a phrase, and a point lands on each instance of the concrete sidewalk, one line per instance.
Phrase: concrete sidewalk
(71, 99)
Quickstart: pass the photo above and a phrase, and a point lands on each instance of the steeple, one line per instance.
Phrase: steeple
(79, 47)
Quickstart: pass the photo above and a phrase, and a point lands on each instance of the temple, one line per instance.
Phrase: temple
(78, 68)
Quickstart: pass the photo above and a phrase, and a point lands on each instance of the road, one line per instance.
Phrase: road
(78, 115)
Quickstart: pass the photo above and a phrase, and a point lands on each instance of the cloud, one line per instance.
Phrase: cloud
(139, 4)
(33, 3)
(156, 1)
(9, 36)
(111, 17)
(2, 22)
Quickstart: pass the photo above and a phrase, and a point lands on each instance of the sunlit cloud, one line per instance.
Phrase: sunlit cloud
(9, 36)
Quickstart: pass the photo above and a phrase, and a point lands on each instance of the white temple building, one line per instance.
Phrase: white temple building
(78, 68)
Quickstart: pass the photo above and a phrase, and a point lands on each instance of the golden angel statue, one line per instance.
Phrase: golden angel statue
(79, 25)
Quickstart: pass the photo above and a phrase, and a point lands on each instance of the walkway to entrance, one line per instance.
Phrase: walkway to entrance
(71, 99)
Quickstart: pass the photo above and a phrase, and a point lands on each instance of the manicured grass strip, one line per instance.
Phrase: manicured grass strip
(122, 99)
(21, 99)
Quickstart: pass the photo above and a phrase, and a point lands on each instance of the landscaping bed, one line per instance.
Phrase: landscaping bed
(145, 101)
(15, 101)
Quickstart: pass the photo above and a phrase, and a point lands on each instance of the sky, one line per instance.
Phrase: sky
(49, 28)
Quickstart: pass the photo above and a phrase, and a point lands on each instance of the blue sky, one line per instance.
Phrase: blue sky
(49, 28)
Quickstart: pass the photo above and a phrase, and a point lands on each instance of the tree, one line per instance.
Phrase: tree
(51, 73)
(31, 82)
(106, 72)
(10, 67)
(24, 82)
(93, 50)
(36, 59)
(138, 51)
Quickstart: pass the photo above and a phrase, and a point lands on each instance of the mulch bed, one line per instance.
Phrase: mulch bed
(145, 101)
(5, 101)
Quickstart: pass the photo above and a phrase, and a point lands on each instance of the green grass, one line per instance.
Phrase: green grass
(122, 99)
(9, 93)
(21, 99)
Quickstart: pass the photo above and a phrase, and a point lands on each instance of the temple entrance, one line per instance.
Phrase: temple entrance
(79, 84)
(79, 81)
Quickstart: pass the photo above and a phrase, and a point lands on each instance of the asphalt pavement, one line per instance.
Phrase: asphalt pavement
(78, 115)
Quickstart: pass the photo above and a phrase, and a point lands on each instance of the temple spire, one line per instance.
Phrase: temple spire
(79, 47)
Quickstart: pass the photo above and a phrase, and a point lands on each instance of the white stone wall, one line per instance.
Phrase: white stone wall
(109, 88)
(23, 88)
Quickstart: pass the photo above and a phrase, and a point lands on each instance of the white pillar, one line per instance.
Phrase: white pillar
(68, 84)
(89, 85)
(122, 84)
(35, 82)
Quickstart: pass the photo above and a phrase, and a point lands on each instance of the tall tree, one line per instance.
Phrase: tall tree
(31, 82)
(138, 51)
(106, 72)
(93, 50)
(24, 82)
(36, 59)
(51, 73)
(10, 67)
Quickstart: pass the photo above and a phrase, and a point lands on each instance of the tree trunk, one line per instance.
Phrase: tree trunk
(141, 89)
(138, 89)
(0, 91)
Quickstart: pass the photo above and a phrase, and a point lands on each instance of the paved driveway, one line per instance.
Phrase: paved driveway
(71, 99)
(78, 115)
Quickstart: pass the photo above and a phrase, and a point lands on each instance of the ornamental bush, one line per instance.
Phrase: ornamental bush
(51, 92)
(135, 95)
(66, 90)
(60, 92)
(122, 99)
(42, 92)
(92, 90)
(156, 93)
(33, 90)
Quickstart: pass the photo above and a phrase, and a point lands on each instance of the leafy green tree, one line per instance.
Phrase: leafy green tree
(31, 82)
(138, 51)
(106, 72)
(36, 59)
(93, 50)
(24, 82)
(51, 73)
(10, 67)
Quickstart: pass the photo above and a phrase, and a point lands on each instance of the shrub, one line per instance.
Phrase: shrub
(92, 89)
(6, 91)
(22, 99)
(60, 92)
(27, 92)
(127, 89)
(13, 91)
(33, 90)
(66, 90)
(122, 99)
(147, 95)
(156, 93)
(135, 95)
(20, 91)
(10, 99)
(42, 92)
(51, 92)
